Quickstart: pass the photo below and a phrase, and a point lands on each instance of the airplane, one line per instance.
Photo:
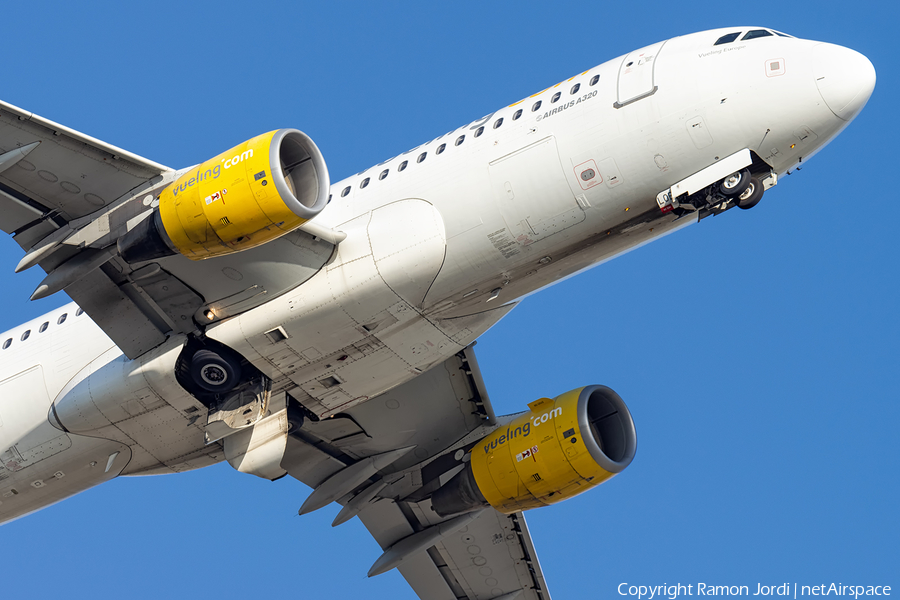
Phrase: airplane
(247, 310)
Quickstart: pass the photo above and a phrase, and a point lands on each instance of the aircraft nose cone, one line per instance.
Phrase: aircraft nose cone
(845, 79)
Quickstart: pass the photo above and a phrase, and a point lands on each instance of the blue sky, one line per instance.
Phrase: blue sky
(758, 350)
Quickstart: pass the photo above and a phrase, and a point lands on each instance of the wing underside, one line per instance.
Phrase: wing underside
(440, 413)
(492, 557)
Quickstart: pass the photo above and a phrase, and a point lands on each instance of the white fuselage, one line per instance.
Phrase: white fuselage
(440, 241)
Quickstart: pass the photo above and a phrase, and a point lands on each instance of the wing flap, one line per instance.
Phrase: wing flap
(15, 214)
(506, 562)
(387, 524)
(119, 317)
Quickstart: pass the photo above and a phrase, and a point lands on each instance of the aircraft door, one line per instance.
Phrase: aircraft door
(637, 75)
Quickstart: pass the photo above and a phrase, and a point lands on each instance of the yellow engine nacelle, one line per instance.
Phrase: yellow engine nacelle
(558, 449)
(255, 192)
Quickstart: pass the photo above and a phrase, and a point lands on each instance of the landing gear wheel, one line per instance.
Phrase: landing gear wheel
(294, 416)
(735, 184)
(214, 372)
(752, 195)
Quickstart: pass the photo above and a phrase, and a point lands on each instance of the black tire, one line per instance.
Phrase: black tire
(295, 417)
(214, 372)
(752, 195)
(735, 184)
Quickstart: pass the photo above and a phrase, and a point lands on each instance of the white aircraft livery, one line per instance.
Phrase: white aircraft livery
(248, 310)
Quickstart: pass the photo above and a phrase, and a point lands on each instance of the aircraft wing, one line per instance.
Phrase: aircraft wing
(60, 175)
(66, 198)
(493, 555)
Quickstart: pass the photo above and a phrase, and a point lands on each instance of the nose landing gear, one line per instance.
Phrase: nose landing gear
(736, 180)
(735, 184)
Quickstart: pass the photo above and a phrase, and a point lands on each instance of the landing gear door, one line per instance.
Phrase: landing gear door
(241, 408)
(637, 75)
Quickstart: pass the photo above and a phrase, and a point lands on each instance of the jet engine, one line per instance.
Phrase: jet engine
(556, 450)
(255, 192)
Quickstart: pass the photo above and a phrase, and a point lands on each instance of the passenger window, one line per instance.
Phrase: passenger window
(498, 122)
(479, 131)
(329, 199)
(459, 140)
(440, 148)
(402, 165)
(756, 33)
(555, 97)
(79, 312)
(44, 327)
(517, 114)
(727, 39)
(575, 88)
(7, 343)
(595, 79)
(536, 106)
(61, 319)
(345, 191)
(364, 183)
(26, 334)
(421, 157)
(383, 174)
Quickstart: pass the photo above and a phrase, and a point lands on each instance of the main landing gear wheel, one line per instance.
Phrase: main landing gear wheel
(735, 184)
(752, 195)
(214, 372)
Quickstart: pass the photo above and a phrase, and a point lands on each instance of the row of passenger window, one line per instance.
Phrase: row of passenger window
(27, 333)
(478, 133)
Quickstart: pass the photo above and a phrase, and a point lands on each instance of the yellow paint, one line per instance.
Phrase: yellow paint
(220, 206)
(539, 403)
(556, 467)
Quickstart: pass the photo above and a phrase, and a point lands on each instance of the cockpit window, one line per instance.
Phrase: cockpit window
(756, 33)
(727, 39)
(782, 34)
